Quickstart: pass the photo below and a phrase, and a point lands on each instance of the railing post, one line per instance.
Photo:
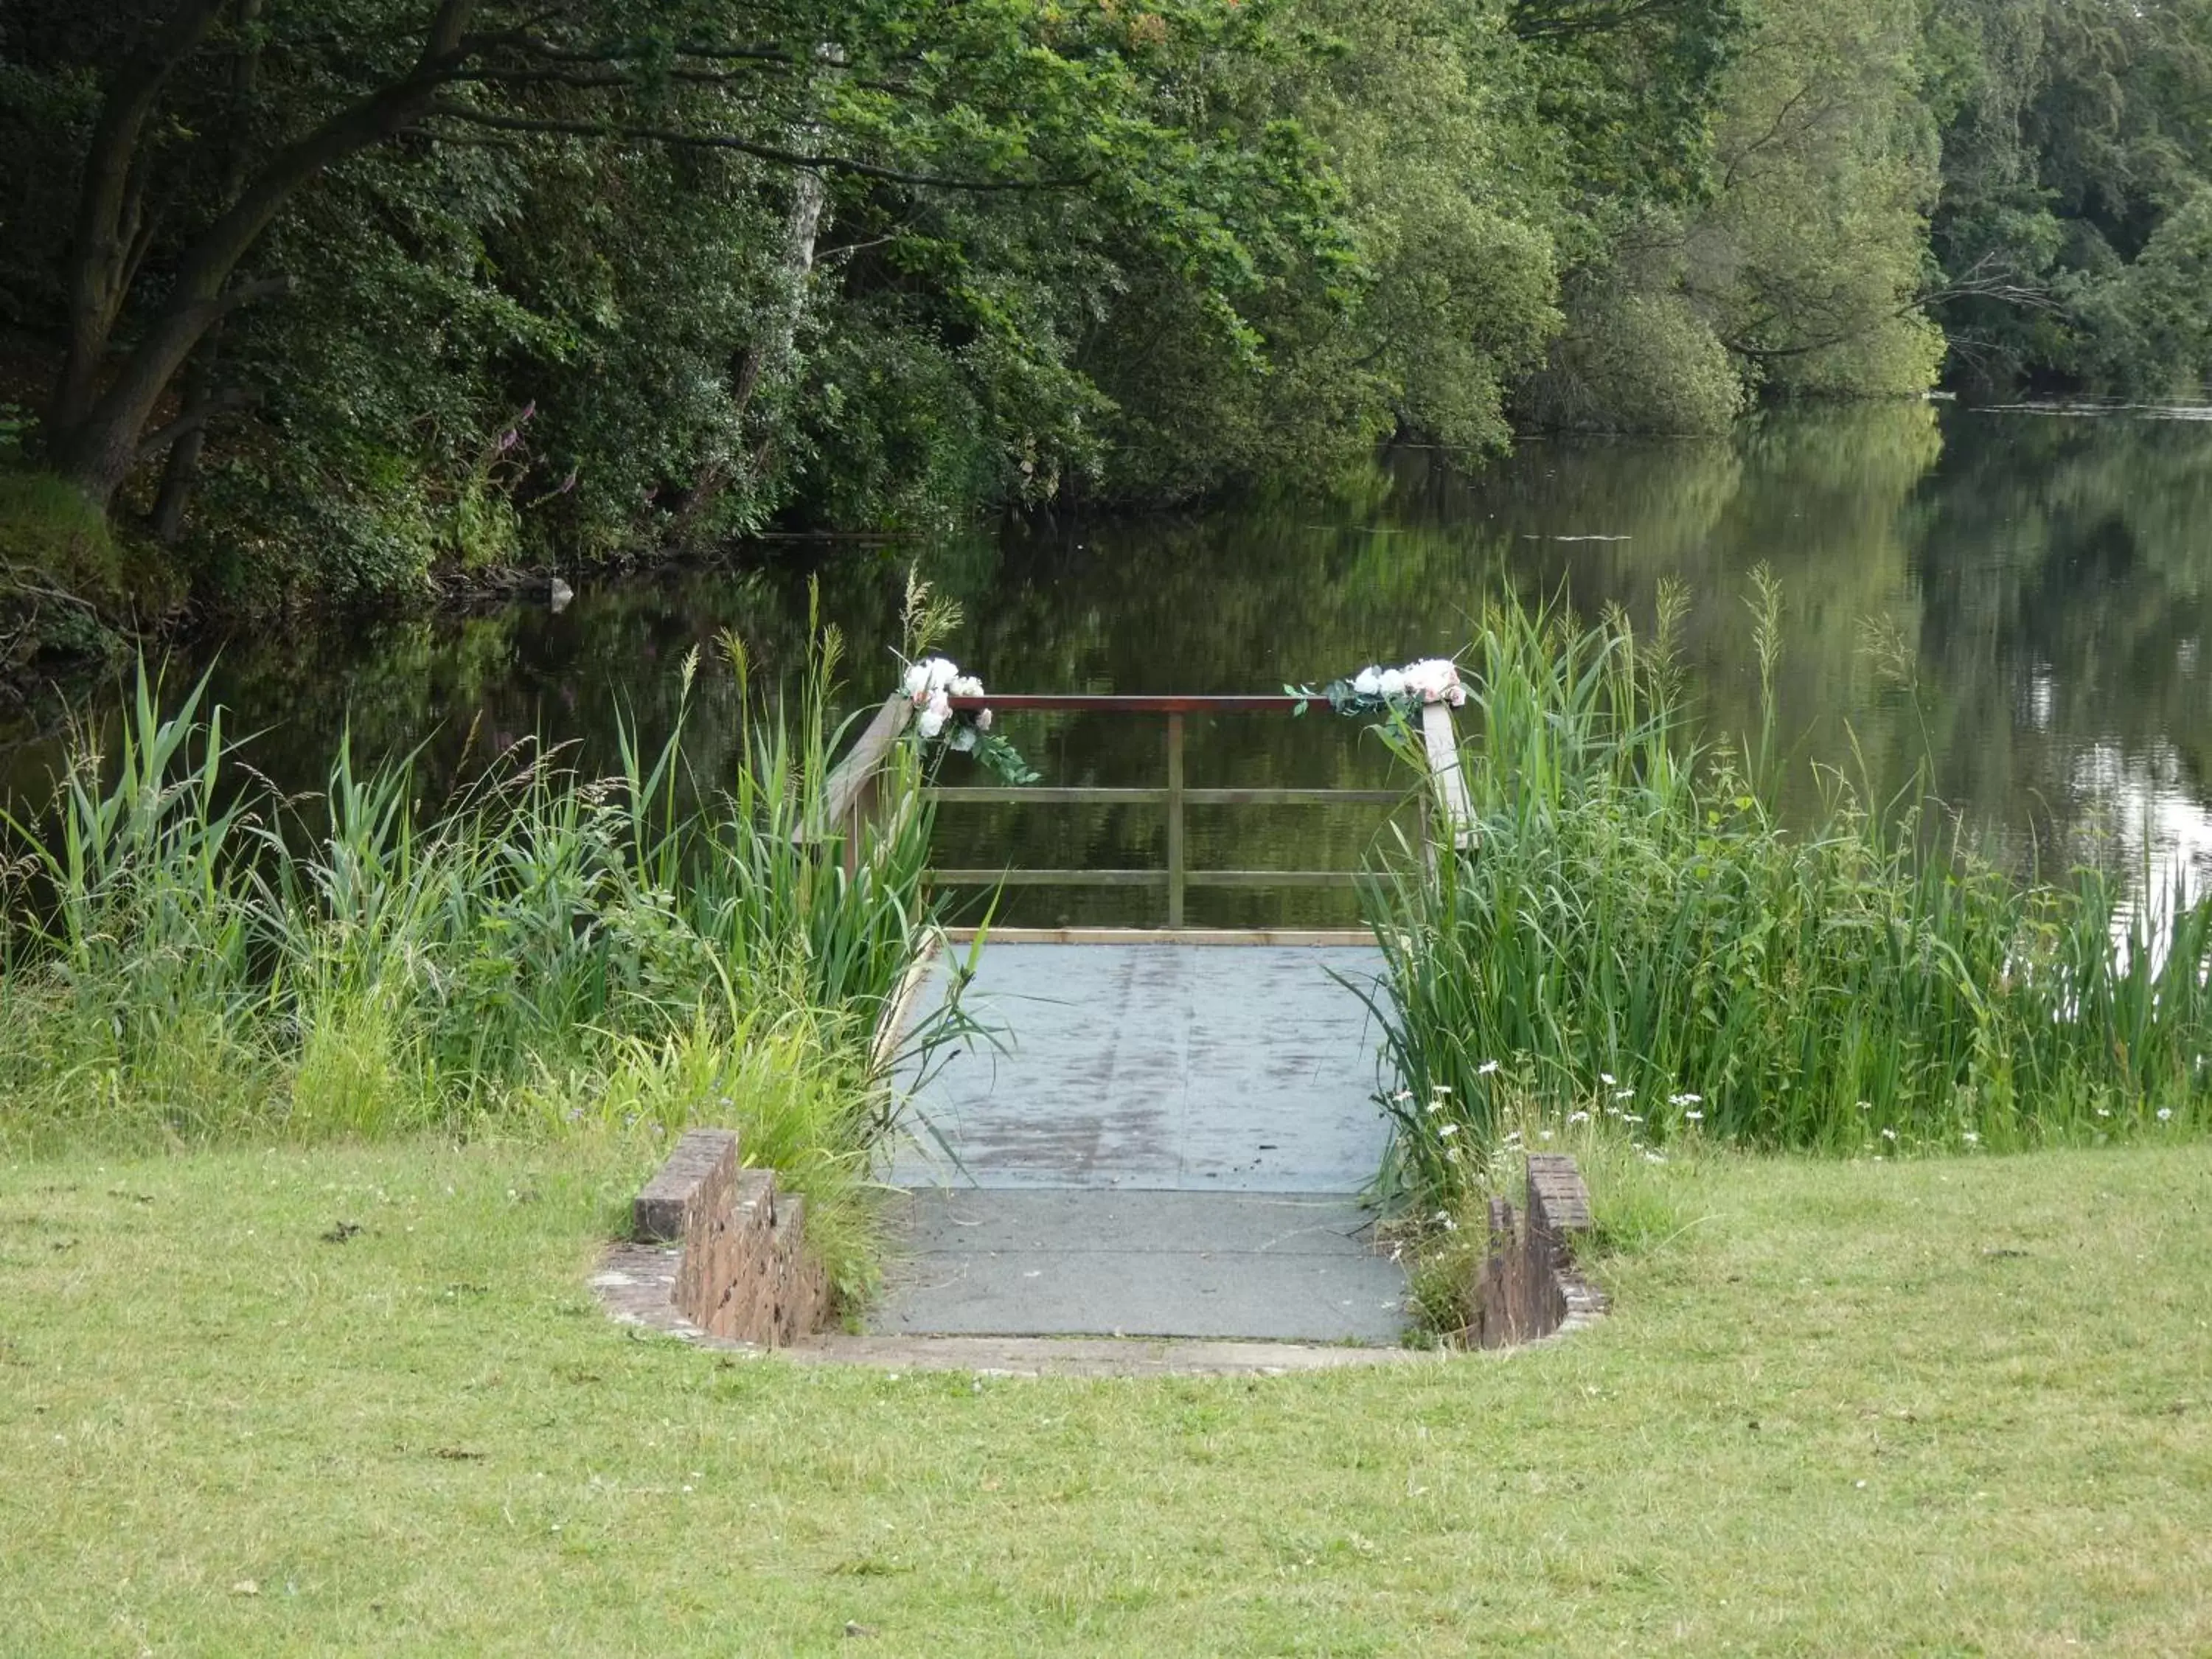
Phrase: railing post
(1441, 743)
(1175, 821)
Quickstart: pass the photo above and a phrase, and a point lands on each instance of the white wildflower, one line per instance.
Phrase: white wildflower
(1694, 1117)
(1485, 1068)
(1577, 1117)
(1889, 1134)
(2166, 1115)
(1970, 1137)
(1608, 1079)
(1447, 1131)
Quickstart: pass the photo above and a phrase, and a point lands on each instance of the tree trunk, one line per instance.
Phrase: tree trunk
(99, 448)
(181, 470)
(105, 243)
(770, 359)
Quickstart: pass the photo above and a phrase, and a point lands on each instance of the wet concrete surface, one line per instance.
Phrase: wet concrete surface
(1169, 1141)
(1204, 1068)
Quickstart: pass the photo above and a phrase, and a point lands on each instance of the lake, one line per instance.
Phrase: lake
(2043, 577)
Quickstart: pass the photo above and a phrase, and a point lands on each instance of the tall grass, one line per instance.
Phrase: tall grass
(191, 955)
(1633, 935)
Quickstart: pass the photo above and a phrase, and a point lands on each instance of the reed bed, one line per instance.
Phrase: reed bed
(1634, 939)
(192, 957)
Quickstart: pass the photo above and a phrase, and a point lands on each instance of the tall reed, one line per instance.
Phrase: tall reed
(190, 955)
(1634, 935)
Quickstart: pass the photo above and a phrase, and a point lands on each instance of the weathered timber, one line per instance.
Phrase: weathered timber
(1103, 795)
(1442, 744)
(849, 792)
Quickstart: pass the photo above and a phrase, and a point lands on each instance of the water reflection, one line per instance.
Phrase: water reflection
(2049, 580)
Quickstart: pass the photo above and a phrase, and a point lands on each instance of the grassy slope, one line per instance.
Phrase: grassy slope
(1937, 1407)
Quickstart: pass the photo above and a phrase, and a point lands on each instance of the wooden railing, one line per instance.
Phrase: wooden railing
(852, 792)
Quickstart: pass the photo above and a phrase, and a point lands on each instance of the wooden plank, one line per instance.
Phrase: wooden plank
(1042, 795)
(1100, 795)
(1442, 745)
(1077, 703)
(1030, 877)
(1293, 797)
(891, 1021)
(1335, 937)
(1176, 872)
(1271, 879)
(846, 786)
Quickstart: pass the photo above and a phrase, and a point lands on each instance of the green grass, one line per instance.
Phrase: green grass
(65, 574)
(187, 958)
(1635, 934)
(1943, 1406)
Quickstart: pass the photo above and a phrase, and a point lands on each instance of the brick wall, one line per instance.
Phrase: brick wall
(742, 1270)
(1527, 1286)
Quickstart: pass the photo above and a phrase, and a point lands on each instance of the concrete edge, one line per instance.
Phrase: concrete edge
(636, 1283)
(1334, 937)
(891, 1022)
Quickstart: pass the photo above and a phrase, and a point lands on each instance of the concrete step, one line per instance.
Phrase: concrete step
(1269, 1267)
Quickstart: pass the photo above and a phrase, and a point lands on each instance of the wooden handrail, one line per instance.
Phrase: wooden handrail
(1085, 702)
(848, 793)
(851, 784)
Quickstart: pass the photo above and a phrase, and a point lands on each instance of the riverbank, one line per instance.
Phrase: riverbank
(1840, 1407)
(195, 956)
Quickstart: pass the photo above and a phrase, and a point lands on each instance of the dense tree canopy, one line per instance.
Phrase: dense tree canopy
(328, 298)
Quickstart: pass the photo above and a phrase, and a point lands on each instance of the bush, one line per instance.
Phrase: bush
(1636, 362)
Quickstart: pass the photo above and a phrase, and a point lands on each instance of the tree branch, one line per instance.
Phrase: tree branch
(744, 146)
(222, 403)
(99, 259)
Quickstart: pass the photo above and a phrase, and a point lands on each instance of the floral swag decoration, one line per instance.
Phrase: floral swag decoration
(1375, 690)
(931, 684)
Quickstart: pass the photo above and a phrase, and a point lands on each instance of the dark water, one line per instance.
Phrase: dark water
(2049, 573)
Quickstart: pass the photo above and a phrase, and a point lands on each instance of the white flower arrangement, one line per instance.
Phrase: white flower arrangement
(931, 684)
(1374, 689)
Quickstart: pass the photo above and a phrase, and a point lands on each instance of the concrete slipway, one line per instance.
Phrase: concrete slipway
(1167, 1138)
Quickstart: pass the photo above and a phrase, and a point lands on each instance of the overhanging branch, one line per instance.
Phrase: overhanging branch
(843, 164)
(191, 420)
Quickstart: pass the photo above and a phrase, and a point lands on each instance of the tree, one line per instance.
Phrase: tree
(908, 96)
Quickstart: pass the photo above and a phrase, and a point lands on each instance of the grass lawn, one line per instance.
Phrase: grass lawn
(1942, 1406)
